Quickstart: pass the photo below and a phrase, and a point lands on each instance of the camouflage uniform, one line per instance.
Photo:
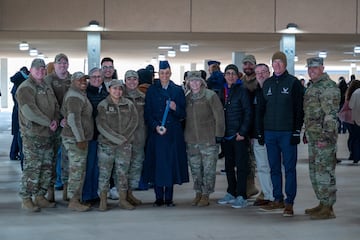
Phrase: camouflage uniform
(37, 108)
(138, 143)
(321, 103)
(77, 110)
(60, 87)
(116, 124)
(204, 122)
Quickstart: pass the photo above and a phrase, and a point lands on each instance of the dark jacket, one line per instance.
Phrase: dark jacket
(280, 107)
(17, 79)
(237, 109)
(216, 81)
(165, 158)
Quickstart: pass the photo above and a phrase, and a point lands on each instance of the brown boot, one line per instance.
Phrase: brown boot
(42, 202)
(28, 204)
(103, 201)
(132, 199)
(74, 204)
(326, 212)
(196, 200)
(204, 201)
(123, 203)
(51, 194)
(314, 209)
(251, 189)
(65, 196)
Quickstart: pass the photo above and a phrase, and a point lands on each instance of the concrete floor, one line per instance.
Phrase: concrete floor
(182, 221)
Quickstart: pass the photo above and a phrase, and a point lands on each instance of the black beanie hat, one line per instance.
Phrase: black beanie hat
(233, 67)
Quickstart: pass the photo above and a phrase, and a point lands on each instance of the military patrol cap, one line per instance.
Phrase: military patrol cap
(249, 58)
(61, 56)
(79, 75)
(194, 75)
(315, 62)
(281, 56)
(38, 63)
(131, 73)
(115, 83)
(164, 64)
(211, 62)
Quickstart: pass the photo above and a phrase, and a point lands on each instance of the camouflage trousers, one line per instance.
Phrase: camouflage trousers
(38, 162)
(322, 164)
(117, 158)
(77, 167)
(202, 160)
(136, 165)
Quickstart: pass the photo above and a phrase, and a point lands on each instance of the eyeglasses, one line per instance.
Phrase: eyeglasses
(93, 77)
(107, 67)
(262, 72)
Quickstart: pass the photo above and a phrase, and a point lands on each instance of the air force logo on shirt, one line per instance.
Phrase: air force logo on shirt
(269, 92)
(285, 91)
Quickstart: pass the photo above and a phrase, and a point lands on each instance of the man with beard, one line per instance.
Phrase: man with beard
(250, 83)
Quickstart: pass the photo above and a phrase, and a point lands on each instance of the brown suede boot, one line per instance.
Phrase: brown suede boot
(103, 201)
(74, 204)
(42, 202)
(196, 200)
(326, 212)
(204, 201)
(51, 194)
(314, 209)
(132, 199)
(65, 195)
(251, 189)
(123, 203)
(28, 205)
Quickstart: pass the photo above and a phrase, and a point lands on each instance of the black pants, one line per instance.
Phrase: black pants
(236, 156)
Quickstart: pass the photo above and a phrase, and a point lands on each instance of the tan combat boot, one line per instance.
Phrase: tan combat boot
(123, 203)
(204, 201)
(196, 200)
(51, 194)
(103, 201)
(65, 196)
(42, 202)
(314, 209)
(74, 204)
(251, 189)
(326, 212)
(28, 204)
(132, 199)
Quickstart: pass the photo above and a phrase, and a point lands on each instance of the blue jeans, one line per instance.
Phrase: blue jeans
(58, 182)
(280, 151)
(91, 181)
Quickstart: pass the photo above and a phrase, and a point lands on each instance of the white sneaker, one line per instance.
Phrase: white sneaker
(227, 199)
(113, 194)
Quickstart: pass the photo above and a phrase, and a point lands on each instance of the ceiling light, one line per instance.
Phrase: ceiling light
(41, 55)
(161, 57)
(184, 47)
(352, 65)
(24, 46)
(93, 23)
(357, 49)
(165, 47)
(292, 26)
(33, 52)
(171, 53)
(322, 54)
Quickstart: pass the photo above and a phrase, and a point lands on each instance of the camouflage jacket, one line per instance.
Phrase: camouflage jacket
(77, 110)
(37, 108)
(59, 86)
(321, 104)
(205, 117)
(116, 122)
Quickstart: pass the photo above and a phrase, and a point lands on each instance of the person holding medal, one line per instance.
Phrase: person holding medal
(165, 157)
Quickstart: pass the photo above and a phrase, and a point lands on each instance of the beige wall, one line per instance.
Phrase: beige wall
(262, 16)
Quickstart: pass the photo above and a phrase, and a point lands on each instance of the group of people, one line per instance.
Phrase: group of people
(153, 129)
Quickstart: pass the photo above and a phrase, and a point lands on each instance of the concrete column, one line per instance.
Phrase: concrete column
(192, 66)
(93, 49)
(287, 46)
(353, 70)
(4, 82)
(237, 58)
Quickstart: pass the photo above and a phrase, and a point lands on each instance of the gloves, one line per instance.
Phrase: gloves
(261, 139)
(218, 139)
(82, 145)
(295, 138)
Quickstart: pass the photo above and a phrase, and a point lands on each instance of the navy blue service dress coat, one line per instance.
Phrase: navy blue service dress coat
(165, 157)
